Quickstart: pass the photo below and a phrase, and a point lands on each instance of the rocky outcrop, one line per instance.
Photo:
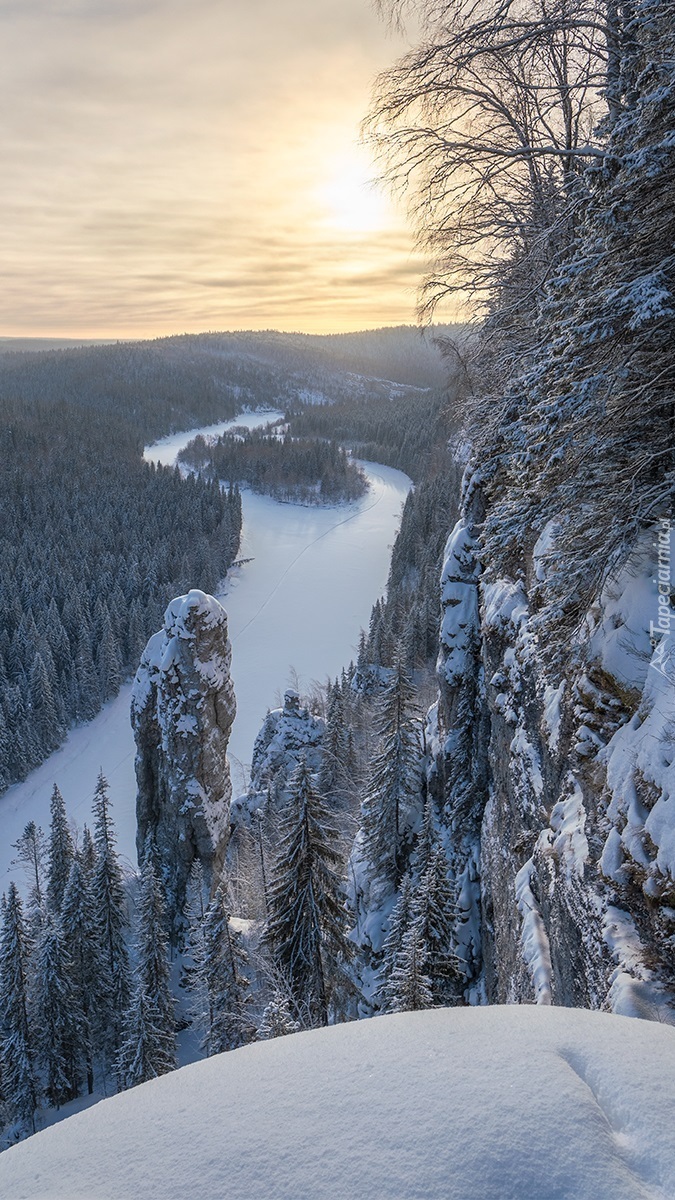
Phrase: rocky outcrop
(182, 711)
(557, 791)
(288, 736)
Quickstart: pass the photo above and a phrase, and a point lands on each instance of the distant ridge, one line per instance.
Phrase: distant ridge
(28, 345)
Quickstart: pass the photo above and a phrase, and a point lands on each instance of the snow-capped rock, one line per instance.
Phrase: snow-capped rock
(182, 711)
(287, 736)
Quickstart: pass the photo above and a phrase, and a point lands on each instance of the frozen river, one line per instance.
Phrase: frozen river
(295, 609)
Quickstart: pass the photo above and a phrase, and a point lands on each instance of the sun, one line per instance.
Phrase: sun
(347, 199)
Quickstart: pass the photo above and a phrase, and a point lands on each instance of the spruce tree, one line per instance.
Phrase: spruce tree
(409, 987)
(30, 853)
(149, 1048)
(225, 985)
(305, 930)
(399, 923)
(60, 854)
(81, 946)
(110, 924)
(55, 1009)
(87, 852)
(277, 1020)
(393, 789)
(337, 767)
(17, 1046)
(143, 1055)
(434, 910)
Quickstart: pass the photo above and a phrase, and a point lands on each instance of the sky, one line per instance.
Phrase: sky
(181, 165)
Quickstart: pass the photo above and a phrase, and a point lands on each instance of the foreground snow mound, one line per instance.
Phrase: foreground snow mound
(460, 1104)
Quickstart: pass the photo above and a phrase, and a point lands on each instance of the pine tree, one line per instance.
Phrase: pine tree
(81, 947)
(110, 924)
(108, 664)
(54, 1010)
(143, 1054)
(30, 853)
(192, 973)
(17, 1050)
(305, 930)
(399, 923)
(44, 714)
(337, 767)
(149, 1048)
(393, 790)
(226, 987)
(61, 853)
(276, 1020)
(434, 911)
(409, 987)
(87, 852)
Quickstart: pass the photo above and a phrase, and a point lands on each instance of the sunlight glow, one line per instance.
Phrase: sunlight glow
(348, 200)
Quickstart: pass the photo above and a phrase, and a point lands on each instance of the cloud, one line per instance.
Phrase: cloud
(159, 155)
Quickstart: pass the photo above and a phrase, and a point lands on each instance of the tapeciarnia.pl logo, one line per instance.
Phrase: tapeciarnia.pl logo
(663, 658)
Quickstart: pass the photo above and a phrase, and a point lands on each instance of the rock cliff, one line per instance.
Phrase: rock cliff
(182, 711)
(555, 786)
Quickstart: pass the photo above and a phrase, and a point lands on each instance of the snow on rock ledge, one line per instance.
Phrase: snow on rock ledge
(182, 711)
(288, 736)
(502, 1103)
(459, 598)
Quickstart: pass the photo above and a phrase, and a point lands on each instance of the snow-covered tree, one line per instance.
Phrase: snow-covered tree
(149, 1047)
(276, 1020)
(17, 1045)
(31, 853)
(226, 1022)
(215, 971)
(305, 930)
(81, 947)
(393, 789)
(60, 854)
(336, 774)
(434, 911)
(399, 923)
(144, 1053)
(110, 923)
(409, 988)
(87, 852)
(55, 1013)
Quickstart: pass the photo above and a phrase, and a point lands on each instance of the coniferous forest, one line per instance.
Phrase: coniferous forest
(93, 544)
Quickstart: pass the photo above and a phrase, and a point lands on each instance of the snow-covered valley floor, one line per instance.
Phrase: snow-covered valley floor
(502, 1103)
(297, 607)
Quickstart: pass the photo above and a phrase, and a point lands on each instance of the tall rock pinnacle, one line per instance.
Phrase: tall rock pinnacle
(182, 711)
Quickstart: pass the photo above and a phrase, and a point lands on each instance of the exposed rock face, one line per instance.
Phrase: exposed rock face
(182, 711)
(287, 736)
(557, 792)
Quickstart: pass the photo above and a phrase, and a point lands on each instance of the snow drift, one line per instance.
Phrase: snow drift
(503, 1103)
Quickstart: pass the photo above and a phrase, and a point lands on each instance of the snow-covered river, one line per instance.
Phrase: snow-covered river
(295, 609)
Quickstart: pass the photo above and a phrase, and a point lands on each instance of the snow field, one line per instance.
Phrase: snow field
(502, 1103)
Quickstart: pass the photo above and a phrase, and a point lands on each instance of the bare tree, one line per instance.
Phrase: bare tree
(486, 126)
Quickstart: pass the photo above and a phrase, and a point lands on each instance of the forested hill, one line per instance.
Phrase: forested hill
(94, 542)
(191, 380)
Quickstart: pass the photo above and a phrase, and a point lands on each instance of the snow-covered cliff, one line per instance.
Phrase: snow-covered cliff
(556, 785)
(182, 711)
